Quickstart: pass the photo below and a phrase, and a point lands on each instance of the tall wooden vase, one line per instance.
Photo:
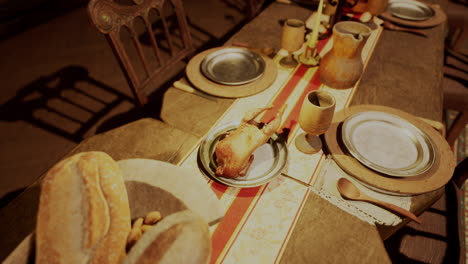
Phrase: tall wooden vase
(342, 66)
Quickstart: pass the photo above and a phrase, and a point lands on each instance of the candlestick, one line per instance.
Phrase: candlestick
(314, 38)
(310, 56)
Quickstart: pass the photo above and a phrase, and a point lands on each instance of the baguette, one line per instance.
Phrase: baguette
(182, 237)
(84, 214)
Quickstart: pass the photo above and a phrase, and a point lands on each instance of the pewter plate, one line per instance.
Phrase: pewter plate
(233, 66)
(410, 10)
(269, 159)
(388, 144)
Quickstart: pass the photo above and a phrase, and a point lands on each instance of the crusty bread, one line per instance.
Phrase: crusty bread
(182, 237)
(84, 214)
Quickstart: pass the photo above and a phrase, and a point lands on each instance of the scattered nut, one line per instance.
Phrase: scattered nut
(366, 17)
(140, 226)
(152, 218)
(138, 223)
(133, 236)
(145, 228)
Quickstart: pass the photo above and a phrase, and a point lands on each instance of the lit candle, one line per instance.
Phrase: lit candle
(314, 38)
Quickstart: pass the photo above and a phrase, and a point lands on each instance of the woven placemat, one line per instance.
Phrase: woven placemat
(197, 79)
(438, 18)
(436, 177)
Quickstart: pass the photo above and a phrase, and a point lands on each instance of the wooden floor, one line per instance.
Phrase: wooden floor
(433, 241)
(64, 51)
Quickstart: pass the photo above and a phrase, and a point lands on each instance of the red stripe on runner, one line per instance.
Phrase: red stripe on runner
(242, 226)
(218, 188)
(357, 16)
(314, 84)
(280, 100)
(230, 220)
(322, 44)
(245, 197)
(296, 217)
(242, 202)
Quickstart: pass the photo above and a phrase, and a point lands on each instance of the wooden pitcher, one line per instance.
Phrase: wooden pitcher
(342, 66)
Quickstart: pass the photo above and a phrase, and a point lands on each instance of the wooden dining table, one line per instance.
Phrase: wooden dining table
(403, 71)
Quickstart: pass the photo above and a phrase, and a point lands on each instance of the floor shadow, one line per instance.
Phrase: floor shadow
(152, 109)
(67, 103)
(155, 99)
(121, 119)
(18, 220)
(17, 17)
(394, 243)
(7, 198)
(456, 78)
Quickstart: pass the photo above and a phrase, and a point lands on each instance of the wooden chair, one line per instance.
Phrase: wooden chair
(455, 78)
(440, 237)
(456, 98)
(459, 180)
(148, 37)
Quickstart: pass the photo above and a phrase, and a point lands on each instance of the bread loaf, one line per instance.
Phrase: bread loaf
(182, 237)
(84, 214)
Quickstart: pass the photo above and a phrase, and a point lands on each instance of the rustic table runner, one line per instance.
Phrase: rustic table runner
(266, 215)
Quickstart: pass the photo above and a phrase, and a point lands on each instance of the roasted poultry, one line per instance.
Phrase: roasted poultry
(234, 151)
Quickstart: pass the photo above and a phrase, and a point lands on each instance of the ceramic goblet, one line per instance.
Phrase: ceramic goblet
(292, 39)
(315, 118)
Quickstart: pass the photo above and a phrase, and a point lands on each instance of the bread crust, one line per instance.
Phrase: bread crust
(84, 214)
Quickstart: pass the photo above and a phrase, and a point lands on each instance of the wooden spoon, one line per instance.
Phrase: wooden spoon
(389, 25)
(349, 191)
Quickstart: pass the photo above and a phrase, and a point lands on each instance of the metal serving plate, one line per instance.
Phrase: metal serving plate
(233, 66)
(388, 144)
(410, 10)
(268, 163)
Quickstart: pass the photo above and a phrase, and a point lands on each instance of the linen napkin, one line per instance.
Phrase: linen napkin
(326, 186)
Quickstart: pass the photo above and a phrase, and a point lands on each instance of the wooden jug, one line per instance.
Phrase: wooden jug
(342, 66)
